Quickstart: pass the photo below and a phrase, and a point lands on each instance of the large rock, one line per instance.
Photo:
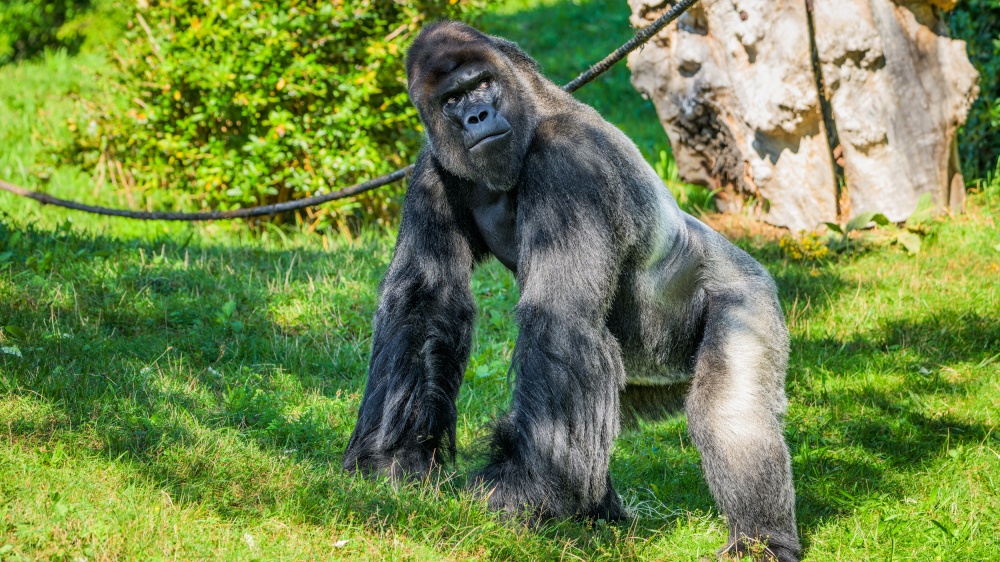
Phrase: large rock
(736, 84)
(899, 89)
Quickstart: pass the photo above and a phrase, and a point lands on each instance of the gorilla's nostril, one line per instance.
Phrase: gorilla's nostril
(483, 115)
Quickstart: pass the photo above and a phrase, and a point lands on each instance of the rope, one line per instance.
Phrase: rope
(640, 38)
(47, 199)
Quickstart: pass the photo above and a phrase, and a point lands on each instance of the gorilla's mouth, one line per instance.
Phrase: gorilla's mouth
(487, 139)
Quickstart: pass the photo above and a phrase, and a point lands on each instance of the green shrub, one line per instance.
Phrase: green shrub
(238, 103)
(977, 22)
(28, 27)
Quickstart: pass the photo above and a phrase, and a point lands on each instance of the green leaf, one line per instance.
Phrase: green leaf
(15, 332)
(881, 220)
(60, 509)
(834, 227)
(229, 308)
(482, 371)
(924, 211)
(943, 528)
(910, 241)
(859, 222)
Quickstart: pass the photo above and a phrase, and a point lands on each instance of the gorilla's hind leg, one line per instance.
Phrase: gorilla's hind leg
(735, 410)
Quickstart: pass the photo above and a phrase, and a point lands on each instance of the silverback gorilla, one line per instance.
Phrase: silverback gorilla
(622, 294)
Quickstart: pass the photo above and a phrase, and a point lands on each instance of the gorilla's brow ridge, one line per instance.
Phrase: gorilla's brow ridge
(442, 49)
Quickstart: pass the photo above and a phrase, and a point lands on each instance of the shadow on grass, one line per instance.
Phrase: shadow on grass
(129, 337)
(857, 435)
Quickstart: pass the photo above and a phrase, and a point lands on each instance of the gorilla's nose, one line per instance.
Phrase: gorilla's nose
(478, 115)
(483, 123)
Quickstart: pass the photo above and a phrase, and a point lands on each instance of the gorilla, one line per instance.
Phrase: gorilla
(624, 297)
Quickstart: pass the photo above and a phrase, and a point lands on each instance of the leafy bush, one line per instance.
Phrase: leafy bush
(28, 27)
(809, 246)
(249, 102)
(864, 232)
(977, 22)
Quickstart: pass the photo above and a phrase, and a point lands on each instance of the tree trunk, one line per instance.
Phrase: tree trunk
(737, 86)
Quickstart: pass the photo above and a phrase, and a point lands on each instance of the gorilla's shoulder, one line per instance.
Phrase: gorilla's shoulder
(580, 132)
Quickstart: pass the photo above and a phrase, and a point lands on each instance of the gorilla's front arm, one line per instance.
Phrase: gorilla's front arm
(551, 451)
(422, 334)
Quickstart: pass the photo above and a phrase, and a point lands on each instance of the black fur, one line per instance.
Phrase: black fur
(623, 296)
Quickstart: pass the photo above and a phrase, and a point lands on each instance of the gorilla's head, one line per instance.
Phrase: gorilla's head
(474, 95)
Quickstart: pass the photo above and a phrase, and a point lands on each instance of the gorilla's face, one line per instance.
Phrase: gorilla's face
(470, 98)
(472, 93)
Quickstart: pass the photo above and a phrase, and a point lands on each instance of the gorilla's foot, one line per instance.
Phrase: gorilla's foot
(610, 508)
(767, 550)
(398, 466)
(509, 490)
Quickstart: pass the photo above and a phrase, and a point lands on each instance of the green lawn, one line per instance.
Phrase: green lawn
(185, 391)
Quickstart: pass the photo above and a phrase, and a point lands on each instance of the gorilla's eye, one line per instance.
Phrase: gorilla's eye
(483, 85)
(452, 100)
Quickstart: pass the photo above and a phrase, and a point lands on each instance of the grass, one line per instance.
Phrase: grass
(186, 391)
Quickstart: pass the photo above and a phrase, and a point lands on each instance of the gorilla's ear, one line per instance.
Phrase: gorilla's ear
(514, 53)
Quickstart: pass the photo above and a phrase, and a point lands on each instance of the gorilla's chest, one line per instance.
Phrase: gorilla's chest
(496, 218)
